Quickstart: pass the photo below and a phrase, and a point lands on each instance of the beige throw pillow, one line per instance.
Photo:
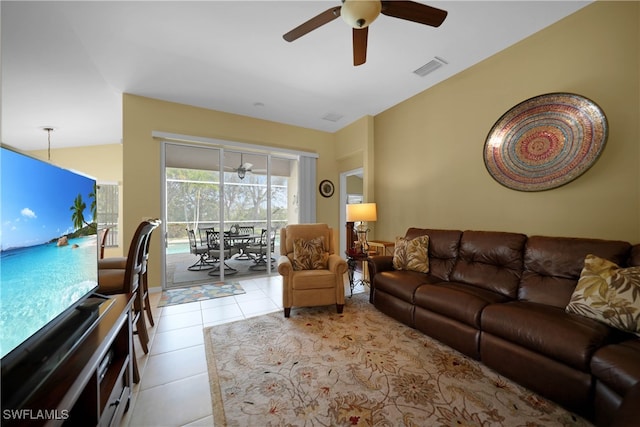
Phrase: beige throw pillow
(310, 254)
(412, 254)
(608, 293)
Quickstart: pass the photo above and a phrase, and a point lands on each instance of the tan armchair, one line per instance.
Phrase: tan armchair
(305, 282)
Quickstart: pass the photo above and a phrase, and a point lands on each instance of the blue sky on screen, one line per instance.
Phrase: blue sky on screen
(36, 200)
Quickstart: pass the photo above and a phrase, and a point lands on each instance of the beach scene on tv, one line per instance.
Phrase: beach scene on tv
(48, 247)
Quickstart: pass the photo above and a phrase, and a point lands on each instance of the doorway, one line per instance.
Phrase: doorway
(351, 191)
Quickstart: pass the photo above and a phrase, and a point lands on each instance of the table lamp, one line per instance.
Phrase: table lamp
(361, 213)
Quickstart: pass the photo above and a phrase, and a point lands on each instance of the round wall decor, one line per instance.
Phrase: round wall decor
(326, 188)
(545, 142)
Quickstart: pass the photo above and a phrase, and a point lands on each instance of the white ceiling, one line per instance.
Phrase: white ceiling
(66, 64)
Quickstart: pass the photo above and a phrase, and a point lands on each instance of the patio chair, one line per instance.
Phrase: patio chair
(201, 251)
(258, 250)
(242, 243)
(213, 243)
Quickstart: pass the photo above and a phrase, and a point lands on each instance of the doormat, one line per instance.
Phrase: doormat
(199, 293)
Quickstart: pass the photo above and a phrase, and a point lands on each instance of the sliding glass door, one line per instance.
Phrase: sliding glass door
(224, 208)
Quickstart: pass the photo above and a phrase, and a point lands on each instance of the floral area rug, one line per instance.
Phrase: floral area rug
(359, 368)
(199, 293)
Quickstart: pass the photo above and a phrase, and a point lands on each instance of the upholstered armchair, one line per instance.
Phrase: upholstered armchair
(312, 272)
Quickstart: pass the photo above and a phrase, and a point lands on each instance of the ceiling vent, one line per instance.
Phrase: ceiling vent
(430, 66)
(332, 117)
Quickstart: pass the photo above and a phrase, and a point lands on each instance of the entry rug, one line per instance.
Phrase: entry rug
(199, 293)
(359, 368)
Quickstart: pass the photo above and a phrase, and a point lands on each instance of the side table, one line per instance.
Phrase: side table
(352, 263)
(382, 247)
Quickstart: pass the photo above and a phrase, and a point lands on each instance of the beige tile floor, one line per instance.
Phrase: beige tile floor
(174, 389)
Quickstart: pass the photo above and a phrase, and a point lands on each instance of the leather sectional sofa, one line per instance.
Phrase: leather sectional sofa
(500, 298)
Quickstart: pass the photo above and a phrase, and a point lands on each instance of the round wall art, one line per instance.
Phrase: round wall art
(326, 188)
(545, 142)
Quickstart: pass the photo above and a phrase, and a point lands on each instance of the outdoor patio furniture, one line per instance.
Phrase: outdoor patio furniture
(201, 251)
(216, 250)
(258, 250)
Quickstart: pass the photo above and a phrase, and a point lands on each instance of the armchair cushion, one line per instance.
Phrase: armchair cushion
(310, 254)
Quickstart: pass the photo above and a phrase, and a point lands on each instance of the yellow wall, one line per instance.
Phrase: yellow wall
(355, 149)
(429, 149)
(141, 153)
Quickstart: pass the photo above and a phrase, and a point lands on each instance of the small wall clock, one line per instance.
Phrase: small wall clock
(326, 188)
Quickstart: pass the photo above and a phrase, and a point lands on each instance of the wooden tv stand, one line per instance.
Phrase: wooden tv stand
(92, 386)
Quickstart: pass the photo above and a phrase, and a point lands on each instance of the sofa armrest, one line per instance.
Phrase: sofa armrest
(378, 264)
(629, 412)
(284, 265)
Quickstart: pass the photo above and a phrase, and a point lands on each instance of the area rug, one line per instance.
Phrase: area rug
(199, 293)
(359, 368)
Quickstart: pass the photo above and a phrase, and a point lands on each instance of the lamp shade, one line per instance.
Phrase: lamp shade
(362, 212)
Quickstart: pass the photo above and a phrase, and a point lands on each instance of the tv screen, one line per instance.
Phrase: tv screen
(48, 247)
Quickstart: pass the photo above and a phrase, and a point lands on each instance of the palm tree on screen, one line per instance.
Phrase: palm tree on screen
(77, 215)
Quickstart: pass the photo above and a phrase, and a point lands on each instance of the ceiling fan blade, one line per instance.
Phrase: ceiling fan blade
(416, 12)
(360, 45)
(313, 23)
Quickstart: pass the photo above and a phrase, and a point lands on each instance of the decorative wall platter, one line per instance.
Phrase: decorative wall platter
(545, 142)
(326, 188)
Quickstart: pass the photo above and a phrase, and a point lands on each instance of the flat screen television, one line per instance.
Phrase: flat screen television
(48, 266)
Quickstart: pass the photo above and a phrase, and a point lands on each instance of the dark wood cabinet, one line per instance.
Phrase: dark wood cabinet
(92, 386)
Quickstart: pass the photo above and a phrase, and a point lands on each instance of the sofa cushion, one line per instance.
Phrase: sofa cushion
(469, 300)
(608, 293)
(402, 284)
(491, 260)
(443, 249)
(618, 365)
(550, 331)
(552, 266)
(411, 254)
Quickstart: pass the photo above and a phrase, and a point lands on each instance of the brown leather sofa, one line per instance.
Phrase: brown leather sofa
(500, 298)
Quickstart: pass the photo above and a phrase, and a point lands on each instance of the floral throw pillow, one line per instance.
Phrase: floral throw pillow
(310, 254)
(608, 293)
(412, 254)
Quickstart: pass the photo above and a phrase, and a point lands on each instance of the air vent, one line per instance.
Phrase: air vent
(332, 117)
(430, 66)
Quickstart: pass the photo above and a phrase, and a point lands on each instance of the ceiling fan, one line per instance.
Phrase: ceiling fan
(243, 168)
(359, 14)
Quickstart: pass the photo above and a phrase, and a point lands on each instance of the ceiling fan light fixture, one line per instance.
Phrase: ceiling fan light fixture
(360, 13)
(241, 173)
